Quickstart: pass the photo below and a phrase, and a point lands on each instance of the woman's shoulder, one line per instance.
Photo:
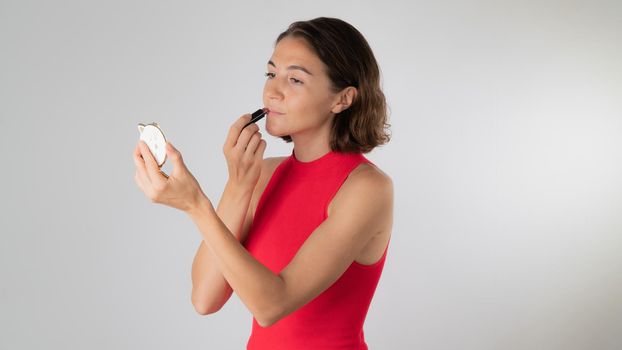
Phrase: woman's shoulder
(369, 173)
(366, 181)
(268, 167)
(271, 163)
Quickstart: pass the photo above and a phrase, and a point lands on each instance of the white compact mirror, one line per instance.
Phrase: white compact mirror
(155, 140)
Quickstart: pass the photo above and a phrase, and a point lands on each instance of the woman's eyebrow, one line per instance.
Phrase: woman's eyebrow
(292, 67)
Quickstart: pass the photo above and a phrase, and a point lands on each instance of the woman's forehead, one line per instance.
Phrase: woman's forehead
(292, 51)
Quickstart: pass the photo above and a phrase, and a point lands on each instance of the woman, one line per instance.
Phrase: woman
(301, 239)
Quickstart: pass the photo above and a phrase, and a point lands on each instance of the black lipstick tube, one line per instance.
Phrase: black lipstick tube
(257, 115)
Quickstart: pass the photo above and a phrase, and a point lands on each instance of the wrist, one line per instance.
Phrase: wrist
(237, 192)
(201, 205)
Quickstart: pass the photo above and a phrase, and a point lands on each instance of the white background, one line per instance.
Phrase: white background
(507, 140)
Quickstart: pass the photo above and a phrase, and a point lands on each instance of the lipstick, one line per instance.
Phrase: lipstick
(256, 116)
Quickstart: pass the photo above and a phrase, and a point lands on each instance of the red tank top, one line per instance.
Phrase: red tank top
(292, 205)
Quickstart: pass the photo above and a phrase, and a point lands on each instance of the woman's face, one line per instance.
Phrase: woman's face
(297, 91)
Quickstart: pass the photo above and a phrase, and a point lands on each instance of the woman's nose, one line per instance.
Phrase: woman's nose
(272, 90)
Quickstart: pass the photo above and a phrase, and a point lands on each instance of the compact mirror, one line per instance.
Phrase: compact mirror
(155, 140)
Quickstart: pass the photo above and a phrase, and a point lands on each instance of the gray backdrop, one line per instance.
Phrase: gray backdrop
(507, 139)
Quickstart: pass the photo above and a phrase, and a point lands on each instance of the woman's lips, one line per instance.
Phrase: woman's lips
(274, 113)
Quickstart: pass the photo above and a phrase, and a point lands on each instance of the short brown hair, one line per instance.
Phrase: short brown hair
(349, 61)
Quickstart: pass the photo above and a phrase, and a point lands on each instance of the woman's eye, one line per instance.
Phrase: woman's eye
(271, 75)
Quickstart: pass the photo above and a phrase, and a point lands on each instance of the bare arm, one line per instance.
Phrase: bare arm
(210, 290)
(243, 150)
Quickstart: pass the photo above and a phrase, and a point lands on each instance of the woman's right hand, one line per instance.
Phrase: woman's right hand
(244, 149)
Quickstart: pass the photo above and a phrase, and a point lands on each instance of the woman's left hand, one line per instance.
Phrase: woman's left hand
(179, 190)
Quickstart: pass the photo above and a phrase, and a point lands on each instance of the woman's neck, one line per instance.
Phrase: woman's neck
(310, 149)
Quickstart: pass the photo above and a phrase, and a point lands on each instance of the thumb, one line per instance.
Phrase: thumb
(174, 154)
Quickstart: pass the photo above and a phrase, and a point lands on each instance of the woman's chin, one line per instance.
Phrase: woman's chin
(275, 132)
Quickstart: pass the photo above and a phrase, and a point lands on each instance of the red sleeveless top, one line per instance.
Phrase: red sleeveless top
(292, 205)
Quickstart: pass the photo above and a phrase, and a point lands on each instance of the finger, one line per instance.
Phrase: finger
(140, 177)
(261, 148)
(252, 145)
(139, 181)
(175, 157)
(140, 167)
(245, 136)
(153, 171)
(235, 129)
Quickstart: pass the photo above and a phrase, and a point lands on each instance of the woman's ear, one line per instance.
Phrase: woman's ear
(345, 98)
